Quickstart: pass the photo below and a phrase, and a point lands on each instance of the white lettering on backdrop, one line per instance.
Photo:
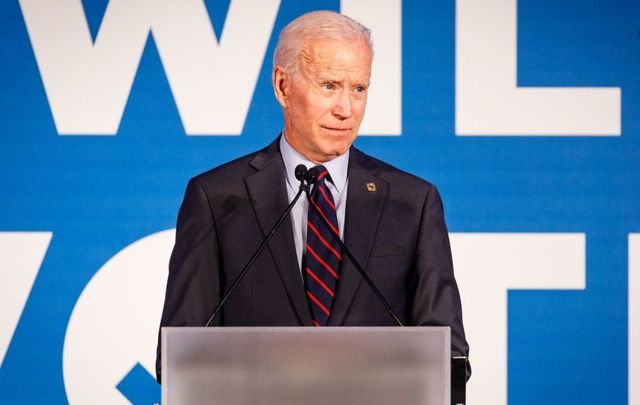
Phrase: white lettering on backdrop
(488, 99)
(213, 82)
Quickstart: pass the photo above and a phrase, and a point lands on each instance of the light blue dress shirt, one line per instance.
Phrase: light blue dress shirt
(337, 168)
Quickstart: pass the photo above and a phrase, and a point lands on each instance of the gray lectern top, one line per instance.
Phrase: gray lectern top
(306, 366)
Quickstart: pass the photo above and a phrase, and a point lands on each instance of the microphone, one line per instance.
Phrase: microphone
(312, 178)
(302, 174)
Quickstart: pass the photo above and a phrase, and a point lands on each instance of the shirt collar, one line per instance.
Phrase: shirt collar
(337, 167)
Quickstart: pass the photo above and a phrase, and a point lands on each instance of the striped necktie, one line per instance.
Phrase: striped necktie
(323, 256)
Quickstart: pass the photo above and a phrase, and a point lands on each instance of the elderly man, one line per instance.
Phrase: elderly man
(391, 221)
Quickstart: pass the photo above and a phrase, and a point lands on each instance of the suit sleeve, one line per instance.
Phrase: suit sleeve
(193, 286)
(437, 299)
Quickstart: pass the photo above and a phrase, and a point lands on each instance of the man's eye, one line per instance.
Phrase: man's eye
(360, 89)
(328, 86)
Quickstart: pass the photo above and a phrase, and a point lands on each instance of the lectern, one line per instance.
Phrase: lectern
(307, 366)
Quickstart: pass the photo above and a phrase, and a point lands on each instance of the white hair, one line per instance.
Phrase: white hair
(316, 25)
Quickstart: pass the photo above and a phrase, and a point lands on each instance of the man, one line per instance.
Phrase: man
(391, 221)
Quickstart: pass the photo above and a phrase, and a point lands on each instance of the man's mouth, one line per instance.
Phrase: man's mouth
(337, 129)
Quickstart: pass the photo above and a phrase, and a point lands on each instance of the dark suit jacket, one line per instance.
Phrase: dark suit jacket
(397, 233)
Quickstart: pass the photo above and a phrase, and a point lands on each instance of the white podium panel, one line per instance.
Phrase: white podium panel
(304, 365)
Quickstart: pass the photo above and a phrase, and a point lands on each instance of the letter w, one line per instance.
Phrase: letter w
(88, 83)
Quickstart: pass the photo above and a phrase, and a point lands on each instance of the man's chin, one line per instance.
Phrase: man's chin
(340, 146)
(337, 152)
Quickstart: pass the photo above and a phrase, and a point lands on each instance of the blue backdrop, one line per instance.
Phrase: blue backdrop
(97, 194)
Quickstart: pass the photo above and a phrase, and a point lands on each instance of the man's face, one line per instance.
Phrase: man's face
(324, 102)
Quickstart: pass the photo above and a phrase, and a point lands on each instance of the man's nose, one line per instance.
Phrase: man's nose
(342, 107)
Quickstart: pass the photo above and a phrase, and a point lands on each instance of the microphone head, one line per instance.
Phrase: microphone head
(312, 175)
(301, 172)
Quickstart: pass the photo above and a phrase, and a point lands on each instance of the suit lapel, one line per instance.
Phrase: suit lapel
(364, 207)
(268, 193)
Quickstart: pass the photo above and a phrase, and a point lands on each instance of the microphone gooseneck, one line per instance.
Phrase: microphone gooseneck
(301, 173)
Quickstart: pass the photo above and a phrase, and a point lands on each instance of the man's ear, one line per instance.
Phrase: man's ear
(281, 85)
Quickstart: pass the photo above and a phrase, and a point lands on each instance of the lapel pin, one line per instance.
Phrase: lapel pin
(371, 187)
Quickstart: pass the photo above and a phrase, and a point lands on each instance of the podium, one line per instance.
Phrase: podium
(304, 365)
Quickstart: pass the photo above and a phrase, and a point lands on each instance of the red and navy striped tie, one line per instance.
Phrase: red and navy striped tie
(323, 257)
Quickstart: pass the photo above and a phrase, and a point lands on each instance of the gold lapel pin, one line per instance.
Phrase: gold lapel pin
(371, 187)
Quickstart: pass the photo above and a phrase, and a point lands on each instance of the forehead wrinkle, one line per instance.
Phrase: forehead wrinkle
(318, 64)
(311, 58)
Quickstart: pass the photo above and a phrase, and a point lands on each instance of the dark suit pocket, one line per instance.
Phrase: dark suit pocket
(388, 251)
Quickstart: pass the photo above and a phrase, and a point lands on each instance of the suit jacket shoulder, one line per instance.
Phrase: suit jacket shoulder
(388, 172)
(406, 191)
(222, 177)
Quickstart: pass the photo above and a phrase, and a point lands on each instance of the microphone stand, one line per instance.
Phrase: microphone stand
(304, 186)
(312, 178)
